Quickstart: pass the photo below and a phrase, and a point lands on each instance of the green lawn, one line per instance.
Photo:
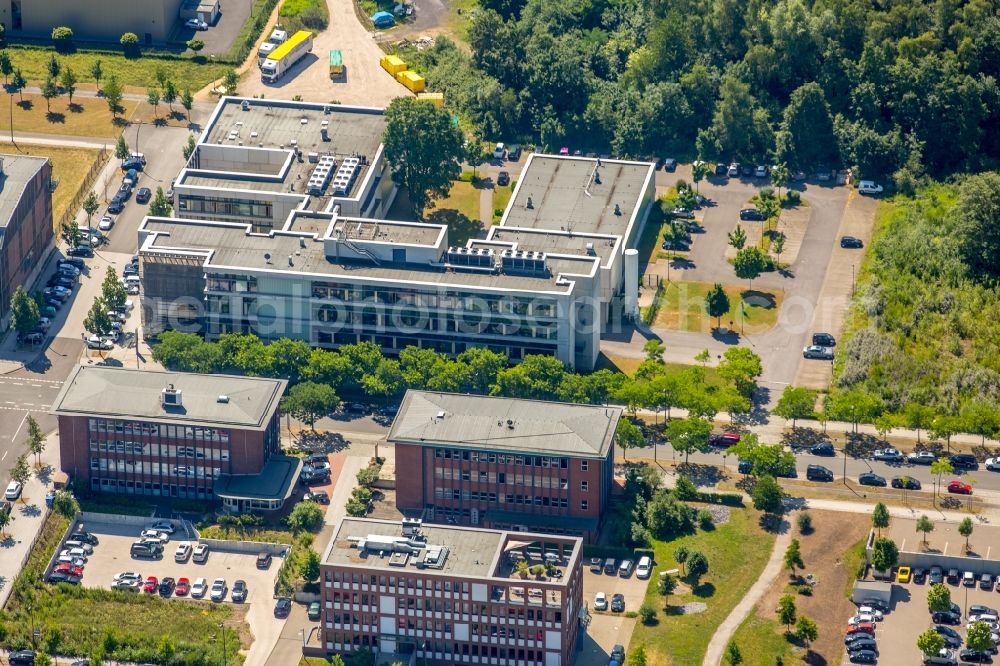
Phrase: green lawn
(683, 308)
(737, 552)
(86, 116)
(762, 642)
(501, 196)
(123, 626)
(459, 210)
(136, 73)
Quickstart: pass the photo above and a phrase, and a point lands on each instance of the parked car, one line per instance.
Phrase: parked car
(975, 656)
(815, 351)
(824, 340)
(219, 589)
(734, 170)
(596, 565)
(183, 587)
(282, 607)
(863, 657)
(951, 637)
(969, 580)
(167, 586)
(198, 588)
(320, 497)
(675, 245)
(861, 642)
(195, 24)
(133, 164)
(154, 535)
(888, 454)
(760, 171)
(953, 576)
(644, 568)
(851, 242)
(21, 657)
(152, 583)
(263, 560)
(946, 617)
(314, 611)
(80, 251)
(725, 439)
(200, 553)
(618, 603)
(869, 187)
(183, 551)
(752, 214)
(600, 601)
(921, 458)
(871, 479)
(993, 464)
(903, 575)
(822, 449)
(963, 461)
(857, 638)
(986, 583)
(116, 206)
(161, 526)
(143, 195)
(670, 164)
(682, 213)
(13, 491)
(503, 178)
(911, 483)
(818, 473)
(240, 591)
(625, 568)
(959, 487)
(935, 575)
(513, 152)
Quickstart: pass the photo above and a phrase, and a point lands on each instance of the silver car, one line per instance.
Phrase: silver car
(815, 351)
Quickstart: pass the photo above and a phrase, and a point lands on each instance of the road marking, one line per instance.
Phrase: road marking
(23, 419)
(4, 456)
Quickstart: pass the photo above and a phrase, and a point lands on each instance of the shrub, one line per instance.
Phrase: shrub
(647, 614)
(195, 44)
(705, 519)
(805, 523)
(63, 37)
(685, 489)
(793, 198)
(130, 44)
(668, 517)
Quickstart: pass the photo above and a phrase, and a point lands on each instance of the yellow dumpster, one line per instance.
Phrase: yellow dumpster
(435, 98)
(392, 64)
(411, 80)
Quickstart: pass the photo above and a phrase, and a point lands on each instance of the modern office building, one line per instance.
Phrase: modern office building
(93, 20)
(449, 595)
(25, 220)
(504, 463)
(175, 434)
(281, 232)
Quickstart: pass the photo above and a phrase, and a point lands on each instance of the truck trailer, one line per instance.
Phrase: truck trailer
(285, 56)
(336, 64)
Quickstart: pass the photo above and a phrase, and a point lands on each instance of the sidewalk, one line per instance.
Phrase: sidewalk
(28, 513)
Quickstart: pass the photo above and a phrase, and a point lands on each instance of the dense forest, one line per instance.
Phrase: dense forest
(923, 328)
(893, 88)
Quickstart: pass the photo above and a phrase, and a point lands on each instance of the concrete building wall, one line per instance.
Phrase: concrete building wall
(27, 236)
(98, 20)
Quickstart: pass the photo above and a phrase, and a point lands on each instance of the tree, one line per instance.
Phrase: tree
(113, 95)
(53, 67)
(112, 291)
(687, 435)
(733, 655)
(310, 568)
(20, 472)
(130, 44)
(19, 82)
(976, 215)
(6, 66)
(97, 72)
(306, 516)
(977, 637)
(122, 151)
(939, 468)
(805, 139)
(767, 495)
(230, 81)
(668, 517)
(6, 518)
(160, 206)
(717, 303)
(918, 416)
(793, 556)
(638, 655)
(153, 97)
(885, 554)
(806, 630)
(749, 263)
(938, 598)
(778, 245)
(475, 156)
(368, 476)
(36, 439)
(965, 529)
(880, 517)
(697, 566)
(930, 642)
(423, 149)
(925, 525)
(187, 101)
(805, 522)
(698, 173)
(647, 614)
(654, 350)
(65, 504)
(741, 366)
(666, 585)
(170, 94)
(740, 127)
(738, 237)
(855, 406)
(49, 92)
(309, 401)
(943, 427)
(628, 435)
(779, 176)
(795, 403)
(72, 233)
(68, 81)
(681, 556)
(786, 611)
(90, 206)
(97, 321)
(24, 311)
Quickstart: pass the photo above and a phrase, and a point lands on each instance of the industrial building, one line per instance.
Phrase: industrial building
(281, 231)
(449, 595)
(504, 463)
(175, 434)
(104, 20)
(26, 232)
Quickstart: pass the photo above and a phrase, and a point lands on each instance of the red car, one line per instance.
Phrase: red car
(959, 488)
(183, 587)
(726, 439)
(861, 628)
(68, 569)
(151, 584)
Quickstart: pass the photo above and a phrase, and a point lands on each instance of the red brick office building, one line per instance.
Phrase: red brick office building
(175, 434)
(449, 595)
(504, 463)
(25, 220)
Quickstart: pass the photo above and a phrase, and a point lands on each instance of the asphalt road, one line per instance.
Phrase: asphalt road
(19, 397)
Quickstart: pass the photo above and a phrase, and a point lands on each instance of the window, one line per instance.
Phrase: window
(583, 465)
(584, 486)
(583, 505)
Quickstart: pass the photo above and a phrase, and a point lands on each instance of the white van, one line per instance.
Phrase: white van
(498, 151)
(869, 187)
(645, 567)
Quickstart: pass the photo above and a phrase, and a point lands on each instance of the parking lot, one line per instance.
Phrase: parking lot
(606, 628)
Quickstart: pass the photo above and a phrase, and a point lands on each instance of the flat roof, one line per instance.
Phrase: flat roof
(232, 245)
(274, 482)
(505, 424)
(17, 171)
(386, 231)
(124, 393)
(577, 194)
(545, 240)
(352, 130)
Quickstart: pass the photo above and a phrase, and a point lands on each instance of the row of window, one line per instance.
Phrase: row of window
(428, 321)
(150, 488)
(231, 283)
(190, 203)
(507, 459)
(356, 642)
(504, 498)
(514, 478)
(140, 467)
(140, 428)
(160, 450)
(447, 301)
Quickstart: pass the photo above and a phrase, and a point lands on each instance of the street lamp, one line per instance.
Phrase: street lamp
(222, 626)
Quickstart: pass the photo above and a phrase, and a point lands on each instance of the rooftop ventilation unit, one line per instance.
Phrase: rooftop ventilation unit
(590, 249)
(524, 262)
(345, 176)
(223, 399)
(475, 257)
(170, 396)
(245, 105)
(618, 210)
(434, 558)
(411, 526)
(390, 544)
(320, 176)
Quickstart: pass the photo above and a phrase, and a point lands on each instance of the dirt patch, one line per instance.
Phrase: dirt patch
(720, 514)
(823, 552)
(692, 608)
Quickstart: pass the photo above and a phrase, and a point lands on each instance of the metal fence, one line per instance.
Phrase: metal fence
(88, 182)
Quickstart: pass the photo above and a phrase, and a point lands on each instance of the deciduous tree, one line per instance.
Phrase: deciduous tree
(717, 303)
(687, 435)
(767, 495)
(880, 517)
(930, 642)
(749, 263)
(795, 403)
(793, 556)
(938, 598)
(786, 611)
(309, 402)
(24, 311)
(925, 526)
(885, 554)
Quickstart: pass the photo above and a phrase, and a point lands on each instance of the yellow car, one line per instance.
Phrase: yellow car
(903, 575)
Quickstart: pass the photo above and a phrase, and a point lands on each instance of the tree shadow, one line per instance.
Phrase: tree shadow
(55, 117)
(118, 121)
(774, 523)
(75, 108)
(177, 115)
(703, 590)
(8, 542)
(759, 299)
(701, 475)
(460, 227)
(815, 659)
(26, 104)
(726, 336)
(160, 121)
(30, 510)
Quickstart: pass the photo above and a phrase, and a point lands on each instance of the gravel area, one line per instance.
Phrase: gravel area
(692, 608)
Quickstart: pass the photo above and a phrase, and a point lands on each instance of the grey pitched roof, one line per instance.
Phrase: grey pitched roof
(122, 393)
(505, 424)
